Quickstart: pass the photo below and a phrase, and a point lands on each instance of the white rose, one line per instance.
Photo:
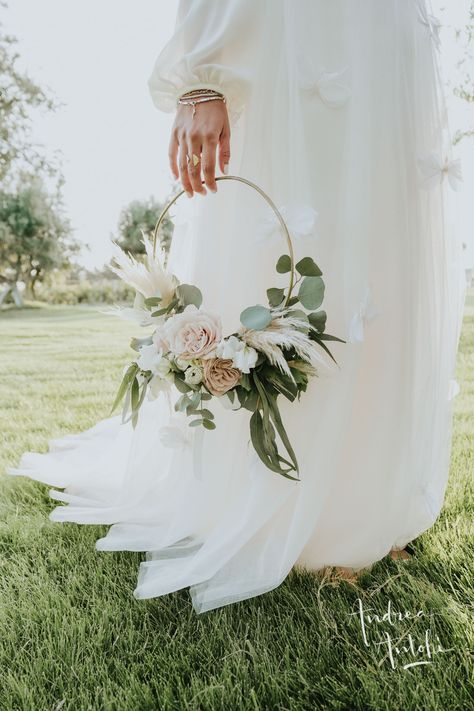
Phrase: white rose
(193, 375)
(192, 333)
(243, 357)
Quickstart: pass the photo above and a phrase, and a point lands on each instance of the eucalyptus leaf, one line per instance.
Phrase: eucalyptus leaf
(256, 317)
(189, 294)
(135, 394)
(275, 296)
(196, 423)
(209, 424)
(308, 267)
(160, 312)
(181, 385)
(318, 320)
(152, 301)
(284, 264)
(124, 385)
(311, 292)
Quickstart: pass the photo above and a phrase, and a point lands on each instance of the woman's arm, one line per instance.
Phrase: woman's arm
(213, 47)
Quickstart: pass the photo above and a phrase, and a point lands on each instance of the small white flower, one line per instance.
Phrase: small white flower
(182, 363)
(150, 358)
(193, 375)
(243, 357)
(228, 346)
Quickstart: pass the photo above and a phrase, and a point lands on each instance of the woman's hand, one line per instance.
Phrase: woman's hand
(200, 135)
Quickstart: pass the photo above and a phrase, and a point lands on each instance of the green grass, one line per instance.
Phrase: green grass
(72, 637)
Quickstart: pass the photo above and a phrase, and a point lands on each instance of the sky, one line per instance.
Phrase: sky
(96, 56)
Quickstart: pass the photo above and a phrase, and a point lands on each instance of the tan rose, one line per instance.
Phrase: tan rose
(219, 375)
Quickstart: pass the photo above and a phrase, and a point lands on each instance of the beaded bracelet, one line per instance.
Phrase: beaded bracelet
(200, 96)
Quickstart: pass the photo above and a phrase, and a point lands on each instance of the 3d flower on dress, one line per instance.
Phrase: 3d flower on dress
(363, 315)
(434, 170)
(331, 87)
(301, 221)
(432, 25)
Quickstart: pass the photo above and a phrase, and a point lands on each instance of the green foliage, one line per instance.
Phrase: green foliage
(85, 291)
(72, 637)
(284, 264)
(35, 237)
(311, 292)
(256, 317)
(189, 295)
(308, 267)
(20, 96)
(138, 216)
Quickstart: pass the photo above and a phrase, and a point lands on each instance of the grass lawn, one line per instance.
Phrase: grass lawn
(72, 637)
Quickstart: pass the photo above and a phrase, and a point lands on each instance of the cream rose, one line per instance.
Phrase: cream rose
(219, 376)
(192, 333)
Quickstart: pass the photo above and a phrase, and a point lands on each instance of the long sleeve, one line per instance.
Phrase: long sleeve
(213, 47)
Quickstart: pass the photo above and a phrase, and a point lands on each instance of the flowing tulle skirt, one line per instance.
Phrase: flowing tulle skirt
(347, 119)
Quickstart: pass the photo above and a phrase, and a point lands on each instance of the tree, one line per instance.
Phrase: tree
(19, 96)
(35, 237)
(142, 215)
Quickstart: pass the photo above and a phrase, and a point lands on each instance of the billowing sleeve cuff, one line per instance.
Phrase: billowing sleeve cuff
(213, 47)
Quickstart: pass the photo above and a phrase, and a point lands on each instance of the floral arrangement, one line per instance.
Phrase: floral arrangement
(274, 352)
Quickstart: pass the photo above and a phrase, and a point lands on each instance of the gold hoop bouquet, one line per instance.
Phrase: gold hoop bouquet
(274, 352)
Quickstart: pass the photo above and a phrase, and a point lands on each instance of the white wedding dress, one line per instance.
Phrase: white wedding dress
(336, 108)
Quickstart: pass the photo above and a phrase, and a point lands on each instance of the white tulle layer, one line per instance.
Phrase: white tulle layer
(346, 104)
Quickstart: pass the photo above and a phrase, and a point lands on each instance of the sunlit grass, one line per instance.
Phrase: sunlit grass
(73, 637)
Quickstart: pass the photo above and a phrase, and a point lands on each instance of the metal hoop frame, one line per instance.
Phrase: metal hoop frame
(270, 202)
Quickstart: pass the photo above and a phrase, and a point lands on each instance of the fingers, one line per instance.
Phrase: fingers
(224, 148)
(173, 154)
(183, 169)
(194, 168)
(209, 162)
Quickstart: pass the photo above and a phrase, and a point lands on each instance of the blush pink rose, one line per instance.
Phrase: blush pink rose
(192, 333)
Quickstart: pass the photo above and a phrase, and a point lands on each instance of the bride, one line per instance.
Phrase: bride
(336, 110)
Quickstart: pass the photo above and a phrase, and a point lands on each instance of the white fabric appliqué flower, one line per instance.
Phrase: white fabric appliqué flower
(434, 170)
(364, 314)
(175, 435)
(331, 87)
(300, 220)
(432, 24)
